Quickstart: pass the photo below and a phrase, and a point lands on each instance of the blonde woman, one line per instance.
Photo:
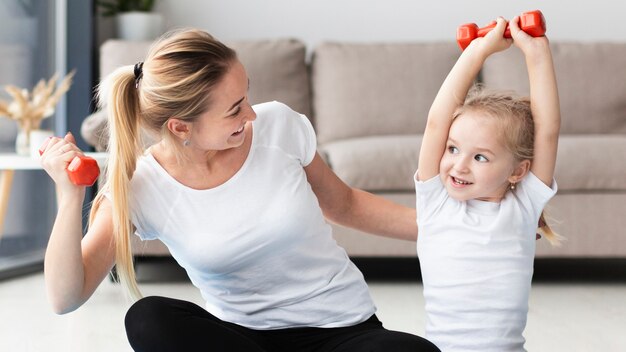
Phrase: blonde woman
(239, 195)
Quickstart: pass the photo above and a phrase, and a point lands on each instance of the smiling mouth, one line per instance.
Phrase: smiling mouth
(239, 131)
(459, 182)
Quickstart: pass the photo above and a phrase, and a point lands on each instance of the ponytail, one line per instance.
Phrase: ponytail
(175, 80)
(554, 238)
(120, 96)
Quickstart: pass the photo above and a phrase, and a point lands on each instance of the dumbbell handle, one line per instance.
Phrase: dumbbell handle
(82, 170)
(531, 22)
(486, 29)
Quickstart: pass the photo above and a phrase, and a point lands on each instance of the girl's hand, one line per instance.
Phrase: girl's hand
(530, 46)
(494, 41)
(57, 155)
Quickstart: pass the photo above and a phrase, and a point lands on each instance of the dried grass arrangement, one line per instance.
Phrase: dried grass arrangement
(28, 109)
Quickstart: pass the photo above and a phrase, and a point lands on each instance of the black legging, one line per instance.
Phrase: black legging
(163, 324)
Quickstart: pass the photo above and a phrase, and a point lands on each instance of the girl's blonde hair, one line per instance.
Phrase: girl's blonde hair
(176, 80)
(518, 130)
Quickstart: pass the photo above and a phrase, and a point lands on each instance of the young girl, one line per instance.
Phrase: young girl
(485, 174)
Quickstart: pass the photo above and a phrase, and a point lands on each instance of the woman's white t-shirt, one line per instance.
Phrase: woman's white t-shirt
(476, 260)
(257, 246)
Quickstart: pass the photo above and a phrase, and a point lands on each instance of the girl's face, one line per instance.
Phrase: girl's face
(224, 125)
(476, 164)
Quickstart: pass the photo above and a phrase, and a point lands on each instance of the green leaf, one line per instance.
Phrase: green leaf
(114, 7)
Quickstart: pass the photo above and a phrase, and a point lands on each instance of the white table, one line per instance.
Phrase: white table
(10, 162)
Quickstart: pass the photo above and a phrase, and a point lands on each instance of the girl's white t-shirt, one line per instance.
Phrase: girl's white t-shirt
(257, 246)
(476, 260)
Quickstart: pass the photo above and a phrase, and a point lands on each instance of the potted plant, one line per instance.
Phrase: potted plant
(134, 19)
(29, 108)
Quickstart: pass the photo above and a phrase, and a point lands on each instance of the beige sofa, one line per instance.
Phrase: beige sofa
(369, 103)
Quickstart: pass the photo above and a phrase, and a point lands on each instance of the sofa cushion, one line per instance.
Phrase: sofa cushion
(94, 130)
(591, 79)
(387, 163)
(276, 68)
(591, 163)
(376, 89)
(384, 163)
(278, 71)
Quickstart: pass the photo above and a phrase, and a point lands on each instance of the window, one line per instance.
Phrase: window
(30, 50)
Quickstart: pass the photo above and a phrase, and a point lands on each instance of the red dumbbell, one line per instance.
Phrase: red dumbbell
(82, 170)
(531, 22)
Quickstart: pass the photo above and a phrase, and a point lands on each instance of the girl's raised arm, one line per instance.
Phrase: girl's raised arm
(544, 101)
(452, 94)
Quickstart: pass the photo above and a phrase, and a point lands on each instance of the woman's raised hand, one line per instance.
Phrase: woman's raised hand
(56, 155)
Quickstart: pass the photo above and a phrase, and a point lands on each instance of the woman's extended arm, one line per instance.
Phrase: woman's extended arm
(358, 209)
(74, 266)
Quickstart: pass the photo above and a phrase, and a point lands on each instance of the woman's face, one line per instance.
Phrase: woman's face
(225, 124)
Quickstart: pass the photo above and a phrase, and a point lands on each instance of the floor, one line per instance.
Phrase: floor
(564, 316)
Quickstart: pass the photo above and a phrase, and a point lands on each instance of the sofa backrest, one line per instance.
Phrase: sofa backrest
(591, 78)
(276, 68)
(376, 89)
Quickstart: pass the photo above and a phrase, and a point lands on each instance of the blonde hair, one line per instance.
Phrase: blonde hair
(515, 118)
(178, 75)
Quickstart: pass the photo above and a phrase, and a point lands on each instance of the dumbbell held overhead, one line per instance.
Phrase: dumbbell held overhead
(531, 22)
(82, 170)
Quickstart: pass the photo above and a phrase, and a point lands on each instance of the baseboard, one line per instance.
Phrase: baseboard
(592, 270)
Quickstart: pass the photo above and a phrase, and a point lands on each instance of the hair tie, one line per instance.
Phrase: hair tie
(138, 71)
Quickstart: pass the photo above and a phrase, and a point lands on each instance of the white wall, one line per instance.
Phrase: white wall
(314, 21)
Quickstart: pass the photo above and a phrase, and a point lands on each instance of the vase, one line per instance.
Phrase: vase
(22, 147)
(139, 26)
(36, 141)
(28, 143)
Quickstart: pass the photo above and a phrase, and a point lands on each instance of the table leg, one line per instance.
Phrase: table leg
(6, 180)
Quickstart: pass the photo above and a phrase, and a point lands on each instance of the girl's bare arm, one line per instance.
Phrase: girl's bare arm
(452, 94)
(544, 101)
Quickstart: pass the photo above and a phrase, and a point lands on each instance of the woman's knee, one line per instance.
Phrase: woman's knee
(387, 340)
(145, 309)
(166, 324)
(404, 342)
(147, 318)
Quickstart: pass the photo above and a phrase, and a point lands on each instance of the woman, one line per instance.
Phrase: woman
(239, 196)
